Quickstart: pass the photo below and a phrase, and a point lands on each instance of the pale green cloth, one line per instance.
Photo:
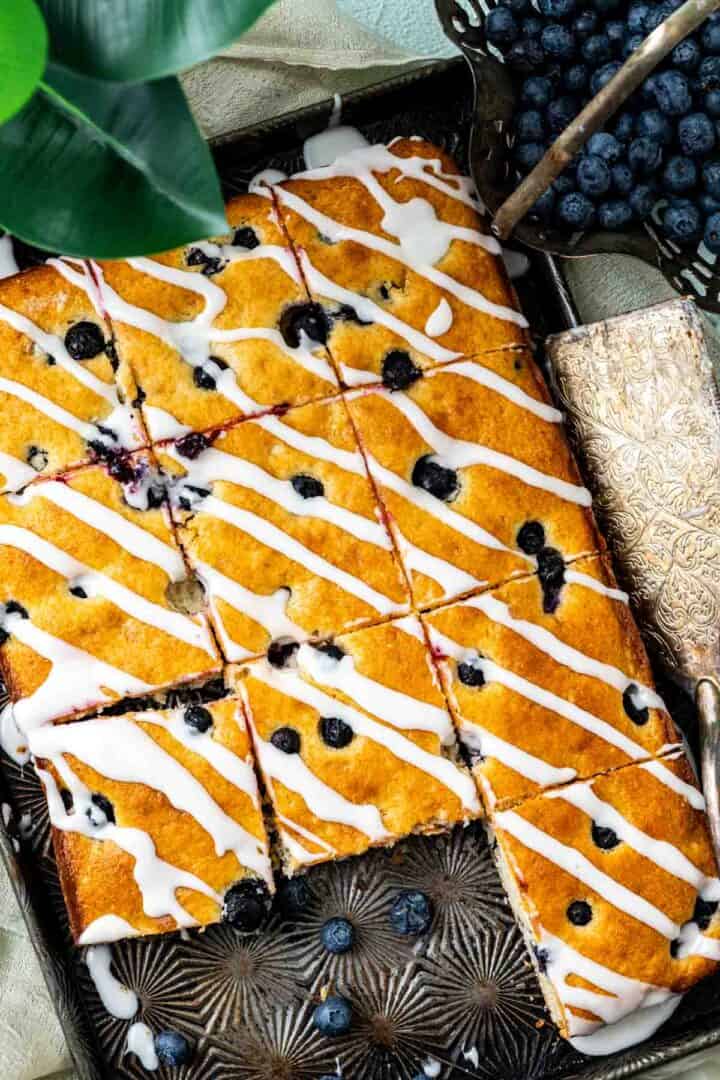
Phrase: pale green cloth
(302, 51)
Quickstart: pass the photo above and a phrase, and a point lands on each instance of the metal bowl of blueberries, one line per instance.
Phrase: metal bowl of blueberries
(649, 184)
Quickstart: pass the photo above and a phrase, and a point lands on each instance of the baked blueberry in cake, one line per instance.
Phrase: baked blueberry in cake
(541, 698)
(280, 522)
(218, 330)
(392, 245)
(469, 460)
(86, 564)
(615, 884)
(57, 396)
(355, 744)
(156, 821)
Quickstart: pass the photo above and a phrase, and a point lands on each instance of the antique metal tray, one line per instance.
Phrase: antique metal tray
(463, 1001)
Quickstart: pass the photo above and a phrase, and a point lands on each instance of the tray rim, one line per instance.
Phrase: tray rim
(66, 1001)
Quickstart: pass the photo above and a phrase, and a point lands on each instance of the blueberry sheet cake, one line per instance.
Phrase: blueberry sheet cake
(295, 561)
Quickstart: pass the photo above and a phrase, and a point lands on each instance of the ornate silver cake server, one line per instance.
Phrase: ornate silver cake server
(643, 412)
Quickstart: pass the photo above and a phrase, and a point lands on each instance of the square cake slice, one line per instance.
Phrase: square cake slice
(217, 331)
(354, 743)
(615, 884)
(280, 521)
(476, 477)
(392, 245)
(543, 698)
(59, 402)
(87, 566)
(156, 819)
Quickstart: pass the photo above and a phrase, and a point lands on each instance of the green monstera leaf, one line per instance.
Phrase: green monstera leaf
(133, 40)
(107, 169)
(23, 52)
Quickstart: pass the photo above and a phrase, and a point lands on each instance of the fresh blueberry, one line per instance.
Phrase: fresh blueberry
(411, 913)
(527, 155)
(211, 264)
(622, 178)
(593, 176)
(192, 445)
(501, 27)
(551, 572)
(711, 178)
(543, 207)
(293, 896)
(306, 319)
(246, 905)
(558, 42)
(696, 135)
(529, 126)
(557, 9)
(644, 155)
(679, 175)
(531, 537)
(470, 672)
(286, 739)
(101, 811)
(334, 1016)
(605, 146)
(681, 222)
(307, 486)
(329, 648)
(624, 127)
(437, 479)
(636, 16)
(398, 370)
(710, 37)
(655, 125)
(606, 6)
(711, 236)
(576, 78)
(575, 211)
(657, 14)
(563, 185)
(579, 912)
(245, 238)
(338, 935)
(78, 591)
(638, 713)
(603, 76)
(203, 379)
(281, 650)
(707, 204)
(84, 341)
(531, 26)
(518, 7)
(585, 24)
(704, 911)
(561, 112)
(672, 93)
(604, 837)
(526, 55)
(537, 92)
(198, 718)
(630, 44)
(596, 50)
(642, 199)
(686, 56)
(335, 732)
(615, 31)
(711, 101)
(614, 215)
(172, 1048)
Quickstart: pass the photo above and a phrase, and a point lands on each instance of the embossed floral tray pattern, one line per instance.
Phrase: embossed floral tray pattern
(464, 997)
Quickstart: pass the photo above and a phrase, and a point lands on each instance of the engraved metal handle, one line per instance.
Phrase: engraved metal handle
(707, 697)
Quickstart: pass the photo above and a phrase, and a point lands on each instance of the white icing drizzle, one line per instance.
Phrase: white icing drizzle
(8, 265)
(680, 787)
(290, 683)
(157, 880)
(577, 577)
(483, 742)
(141, 1041)
(260, 181)
(299, 853)
(579, 866)
(119, 1001)
(394, 707)
(163, 425)
(485, 376)
(312, 445)
(267, 610)
(119, 749)
(632, 1029)
(558, 650)
(97, 584)
(107, 928)
(458, 453)
(336, 141)
(139, 542)
(16, 472)
(417, 256)
(48, 408)
(440, 320)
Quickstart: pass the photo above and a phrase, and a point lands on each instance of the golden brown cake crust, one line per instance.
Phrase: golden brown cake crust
(387, 768)
(98, 876)
(551, 703)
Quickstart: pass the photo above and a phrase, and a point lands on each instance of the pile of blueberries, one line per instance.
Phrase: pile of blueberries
(656, 153)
